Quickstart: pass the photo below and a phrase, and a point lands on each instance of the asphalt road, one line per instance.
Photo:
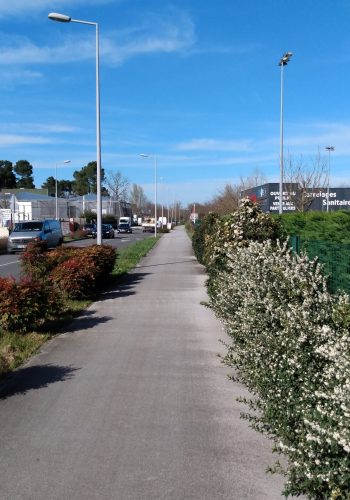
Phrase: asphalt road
(132, 402)
(10, 264)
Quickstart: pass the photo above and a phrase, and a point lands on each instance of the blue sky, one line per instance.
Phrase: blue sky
(195, 82)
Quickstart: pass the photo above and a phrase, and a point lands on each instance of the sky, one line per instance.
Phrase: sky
(194, 84)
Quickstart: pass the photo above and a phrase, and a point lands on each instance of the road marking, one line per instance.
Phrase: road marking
(9, 263)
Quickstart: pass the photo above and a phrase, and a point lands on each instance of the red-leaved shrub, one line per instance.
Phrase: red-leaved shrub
(26, 304)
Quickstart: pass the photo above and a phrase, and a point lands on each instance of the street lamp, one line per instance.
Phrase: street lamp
(56, 193)
(162, 186)
(66, 19)
(329, 149)
(283, 62)
(155, 189)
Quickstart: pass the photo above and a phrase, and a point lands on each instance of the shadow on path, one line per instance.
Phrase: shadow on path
(86, 321)
(31, 378)
(124, 287)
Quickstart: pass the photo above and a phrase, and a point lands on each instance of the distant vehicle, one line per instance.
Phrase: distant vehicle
(124, 228)
(125, 220)
(48, 230)
(148, 225)
(89, 229)
(107, 231)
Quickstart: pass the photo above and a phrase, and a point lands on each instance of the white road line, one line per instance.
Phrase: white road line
(9, 263)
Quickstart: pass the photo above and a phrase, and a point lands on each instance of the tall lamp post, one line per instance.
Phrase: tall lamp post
(66, 19)
(329, 149)
(161, 182)
(155, 189)
(283, 62)
(56, 190)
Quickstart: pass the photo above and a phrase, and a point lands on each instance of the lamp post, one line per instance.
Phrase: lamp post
(161, 181)
(56, 190)
(155, 189)
(329, 149)
(283, 62)
(66, 19)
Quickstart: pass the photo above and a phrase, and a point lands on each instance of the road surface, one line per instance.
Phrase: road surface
(10, 264)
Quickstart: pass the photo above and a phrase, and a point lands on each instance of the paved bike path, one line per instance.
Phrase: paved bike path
(132, 402)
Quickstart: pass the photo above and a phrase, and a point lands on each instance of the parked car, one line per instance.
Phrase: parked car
(48, 230)
(107, 231)
(124, 228)
(89, 229)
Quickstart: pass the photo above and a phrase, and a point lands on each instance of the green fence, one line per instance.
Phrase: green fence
(334, 256)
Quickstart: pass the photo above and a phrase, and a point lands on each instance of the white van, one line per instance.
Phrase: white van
(24, 232)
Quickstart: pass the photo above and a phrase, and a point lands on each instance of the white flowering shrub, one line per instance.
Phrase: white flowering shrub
(291, 347)
(246, 224)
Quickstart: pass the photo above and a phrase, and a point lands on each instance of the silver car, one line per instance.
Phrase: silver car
(24, 232)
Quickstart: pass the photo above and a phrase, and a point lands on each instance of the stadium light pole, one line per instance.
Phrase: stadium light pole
(329, 149)
(54, 16)
(283, 62)
(56, 190)
(155, 189)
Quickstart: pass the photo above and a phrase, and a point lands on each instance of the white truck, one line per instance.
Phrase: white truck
(125, 220)
(148, 225)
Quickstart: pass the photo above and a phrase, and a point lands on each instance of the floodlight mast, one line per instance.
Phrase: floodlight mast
(283, 62)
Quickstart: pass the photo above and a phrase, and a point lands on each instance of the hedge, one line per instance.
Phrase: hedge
(290, 345)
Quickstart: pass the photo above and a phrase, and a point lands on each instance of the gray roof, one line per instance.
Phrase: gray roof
(25, 196)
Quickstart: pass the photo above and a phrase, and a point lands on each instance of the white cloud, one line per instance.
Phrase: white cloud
(24, 76)
(15, 139)
(174, 35)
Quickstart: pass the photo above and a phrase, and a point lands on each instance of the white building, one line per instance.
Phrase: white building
(26, 205)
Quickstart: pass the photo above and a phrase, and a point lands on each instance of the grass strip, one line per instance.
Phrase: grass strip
(130, 256)
(16, 348)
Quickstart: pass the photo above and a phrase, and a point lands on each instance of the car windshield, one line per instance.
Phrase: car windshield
(106, 226)
(28, 226)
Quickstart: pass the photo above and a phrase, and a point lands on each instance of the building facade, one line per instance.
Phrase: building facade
(20, 205)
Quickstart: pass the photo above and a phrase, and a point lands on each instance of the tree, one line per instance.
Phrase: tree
(24, 172)
(50, 185)
(255, 179)
(226, 201)
(117, 185)
(7, 176)
(64, 187)
(85, 180)
(138, 199)
(302, 181)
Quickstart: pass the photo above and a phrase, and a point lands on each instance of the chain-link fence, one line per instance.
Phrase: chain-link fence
(335, 258)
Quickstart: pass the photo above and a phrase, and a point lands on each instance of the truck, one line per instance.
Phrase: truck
(125, 220)
(148, 225)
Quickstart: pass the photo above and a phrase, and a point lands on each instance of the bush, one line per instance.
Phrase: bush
(102, 259)
(74, 277)
(78, 271)
(203, 232)
(290, 346)
(25, 305)
(34, 259)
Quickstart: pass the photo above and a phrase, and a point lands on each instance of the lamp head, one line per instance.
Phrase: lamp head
(54, 16)
(285, 59)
